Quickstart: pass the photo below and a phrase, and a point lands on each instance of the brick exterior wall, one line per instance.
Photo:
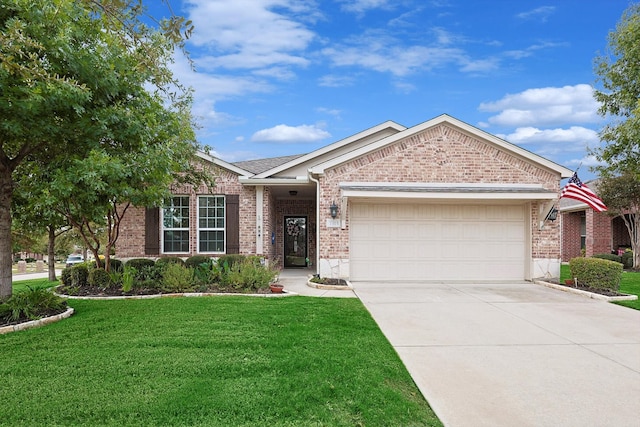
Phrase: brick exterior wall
(132, 229)
(441, 154)
(598, 239)
(571, 234)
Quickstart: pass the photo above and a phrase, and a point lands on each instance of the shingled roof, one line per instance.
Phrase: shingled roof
(261, 165)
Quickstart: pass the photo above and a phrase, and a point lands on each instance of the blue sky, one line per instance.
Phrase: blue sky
(281, 77)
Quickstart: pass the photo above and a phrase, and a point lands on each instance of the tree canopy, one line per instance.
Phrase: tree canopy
(86, 84)
(618, 73)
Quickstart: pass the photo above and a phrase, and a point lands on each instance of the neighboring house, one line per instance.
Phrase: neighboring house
(582, 228)
(440, 201)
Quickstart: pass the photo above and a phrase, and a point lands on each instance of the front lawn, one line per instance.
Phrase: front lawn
(210, 361)
(22, 285)
(630, 284)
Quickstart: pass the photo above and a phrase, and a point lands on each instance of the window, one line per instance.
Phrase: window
(175, 225)
(211, 224)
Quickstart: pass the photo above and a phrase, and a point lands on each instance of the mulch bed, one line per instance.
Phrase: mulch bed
(605, 292)
(23, 319)
(330, 281)
(94, 291)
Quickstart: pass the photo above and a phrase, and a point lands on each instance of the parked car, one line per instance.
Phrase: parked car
(74, 259)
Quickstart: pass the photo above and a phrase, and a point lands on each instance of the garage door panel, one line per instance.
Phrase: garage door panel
(394, 241)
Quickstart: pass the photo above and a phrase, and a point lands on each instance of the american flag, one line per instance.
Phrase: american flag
(576, 189)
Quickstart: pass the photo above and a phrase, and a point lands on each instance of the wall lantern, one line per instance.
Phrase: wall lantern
(552, 215)
(333, 210)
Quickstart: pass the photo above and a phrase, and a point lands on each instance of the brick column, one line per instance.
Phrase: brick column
(598, 233)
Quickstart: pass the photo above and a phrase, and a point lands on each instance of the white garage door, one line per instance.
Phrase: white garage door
(426, 242)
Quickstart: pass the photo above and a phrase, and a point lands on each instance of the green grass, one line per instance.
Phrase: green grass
(630, 284)
(22, 285)
(211, 361)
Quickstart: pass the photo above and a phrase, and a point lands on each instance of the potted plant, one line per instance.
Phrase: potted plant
(276, 288)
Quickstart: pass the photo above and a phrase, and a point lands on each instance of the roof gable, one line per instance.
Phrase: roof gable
(464, 127)
(337, 149)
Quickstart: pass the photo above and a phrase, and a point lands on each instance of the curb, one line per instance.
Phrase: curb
(36, 323)
(348, 287)
(176, 295)
(587, 294)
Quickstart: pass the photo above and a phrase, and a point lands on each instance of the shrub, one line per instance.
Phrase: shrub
(139, 263)
(115, 265)
(79, 275)
(596, 273)
(197, 260)
(176, 278)
(162, 262)
(128, 278)
(65, 276)
(250, 275)
(99, 277)
(31, 304)
(228, 261)
(610, 257)
(627, 259)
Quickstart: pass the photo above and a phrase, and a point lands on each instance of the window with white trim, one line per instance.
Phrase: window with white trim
(175, 225)
(211, 224)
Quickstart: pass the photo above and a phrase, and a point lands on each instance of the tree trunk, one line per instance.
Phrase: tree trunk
(6, 261)
(51, 253)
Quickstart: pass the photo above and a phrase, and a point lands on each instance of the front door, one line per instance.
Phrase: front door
(295, 241)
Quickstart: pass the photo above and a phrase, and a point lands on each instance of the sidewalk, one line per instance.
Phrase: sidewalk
(29, 276)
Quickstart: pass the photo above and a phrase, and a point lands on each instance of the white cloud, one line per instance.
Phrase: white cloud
(387, 56)
(539, 14)
(545, 107)
(332, 80)
(331, 111)
(361, 6)
(574, 138)
(249, 33)
(291, 134)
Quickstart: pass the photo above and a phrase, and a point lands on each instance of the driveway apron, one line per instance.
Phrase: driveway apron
(513, 354)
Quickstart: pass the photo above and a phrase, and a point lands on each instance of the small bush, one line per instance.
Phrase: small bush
(228, 261)
(79, 275)
(65, 276)
(128, 278)
(610, 257)
(197, 260)
(627, 259)
(596, 273)
(115, 265)
(162, 262)
(249, 275)
(31, 304)
(139, 263)
(99, 277)
(176, 278)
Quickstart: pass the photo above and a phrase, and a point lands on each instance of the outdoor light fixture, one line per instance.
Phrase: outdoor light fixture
(333, 210)
(552, 215)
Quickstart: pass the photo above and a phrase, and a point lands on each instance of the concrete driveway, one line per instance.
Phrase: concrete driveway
(515, 354)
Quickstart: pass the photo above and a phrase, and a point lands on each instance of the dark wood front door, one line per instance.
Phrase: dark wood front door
(295, 241)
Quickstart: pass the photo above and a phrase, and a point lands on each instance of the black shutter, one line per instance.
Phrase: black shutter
(232, 214)
(152, 231)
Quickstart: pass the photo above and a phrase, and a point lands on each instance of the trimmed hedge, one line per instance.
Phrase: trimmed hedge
(610, 257)
(161, 262)
(627, 259)
(596, 273)
(139, 263)
(99, 277)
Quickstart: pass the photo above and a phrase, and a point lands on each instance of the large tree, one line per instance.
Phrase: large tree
(618, 74)
(68, 72)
